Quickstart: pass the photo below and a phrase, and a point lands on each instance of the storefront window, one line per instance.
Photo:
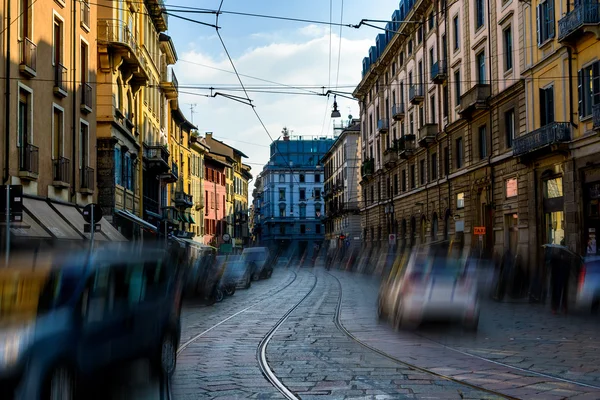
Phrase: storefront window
(555, 229)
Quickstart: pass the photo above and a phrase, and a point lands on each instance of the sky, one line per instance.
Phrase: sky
(284, 52)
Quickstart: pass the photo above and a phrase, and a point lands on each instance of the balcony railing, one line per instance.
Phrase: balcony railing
(551, 134)
(86, 175)
(439, 71)
(60, 171)
(29, 159)
(398, 111)
(406, 146)
(427, 134)
(596, 116)
(117, 33)
(60, 80)
(157, 155)
(390, 157)
(475, 98)
(169, 82)
(85, 14)
(87, 97)
(28, 64)
(383, 125)
(183, 199)
(367, 168)
(150, 204)
(584, 13)
(415, 94)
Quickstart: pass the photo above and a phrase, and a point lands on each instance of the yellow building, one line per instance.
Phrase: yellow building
(562, 87)
(198, 149)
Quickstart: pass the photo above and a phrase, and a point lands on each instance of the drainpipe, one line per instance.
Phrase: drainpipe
(489, 161)
(74, 127)
(6, 176)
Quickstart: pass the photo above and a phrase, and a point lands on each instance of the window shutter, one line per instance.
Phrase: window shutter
(596, 83)
(117, 166)
(581, 102)
(539, 26)
(550, 17)
(550, 102)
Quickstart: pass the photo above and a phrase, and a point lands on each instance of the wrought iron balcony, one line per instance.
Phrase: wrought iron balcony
(60, 172)
(474, 99)
(596, 116)
(406, 146)
(172, 175)
(169, 83)
(367, 168)
(415, 94)
(427, 134)
(86, 175)
(117, 34)
(87, 98)
(585, 17)
(29, 157)
(398, 112)
(85, 15)
(383, 125)
(60, 80)
(157, 157)
(549, 136)
(28, 64)
(439, 71)
(182, 199)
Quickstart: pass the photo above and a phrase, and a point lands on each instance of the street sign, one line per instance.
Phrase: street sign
(392, 238)
(15, 204)
(87, 228)
(226, 237)
(87, 213)
(479, 230)
(225, 248)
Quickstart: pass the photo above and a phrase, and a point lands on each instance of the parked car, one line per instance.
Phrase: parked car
(204, 277)
(79, 314)
(259, 260)
(237, 274)
(588, 285)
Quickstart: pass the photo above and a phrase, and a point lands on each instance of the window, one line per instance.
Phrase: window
(25, 20)
(302, 229)
(589, 88)
(281, 178)
(545, 21)
(459, 152)
(455, 25)
(431, 20)
(401, 60)
(372, 194)
(317, 194)
(301, 178)
(57, 44)
(282, 229)
(420, 34)
(553, 188)
(84, 67)
(434, 166)
(445, 100)
(480, 12)
(84, 145)
(432, 108)
(413, 176)
(546, 106)
(482, 136)
(457, 86)
(481, 68)
(404, 180)
(422, 174)
(118, 166)
(302, 210)
(508, 49)
(318, 228)
(511, 187)
(317, 178)
(410, 47)
(302, 194)
(460, 200)
(393, 69)
(57, 132)
(388, 188)
(395, 184)
(281, 194)
(509, 127)
(446, 161)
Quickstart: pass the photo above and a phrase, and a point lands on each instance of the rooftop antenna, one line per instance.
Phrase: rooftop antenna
(192, 107)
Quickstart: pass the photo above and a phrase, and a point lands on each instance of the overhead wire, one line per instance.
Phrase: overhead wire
(329, 67)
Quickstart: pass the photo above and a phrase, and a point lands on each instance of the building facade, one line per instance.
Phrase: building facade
(215, 192)
(198, 149)
(292, 198)
(342, 194)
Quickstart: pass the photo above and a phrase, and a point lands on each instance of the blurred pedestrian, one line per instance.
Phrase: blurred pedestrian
(505, 270)
(560, 269)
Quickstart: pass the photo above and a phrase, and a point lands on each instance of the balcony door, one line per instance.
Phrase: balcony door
(546, 106)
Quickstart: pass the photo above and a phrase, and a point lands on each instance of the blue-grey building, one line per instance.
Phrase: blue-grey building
(291, 206)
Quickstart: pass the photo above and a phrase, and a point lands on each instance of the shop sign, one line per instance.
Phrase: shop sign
(479, 230)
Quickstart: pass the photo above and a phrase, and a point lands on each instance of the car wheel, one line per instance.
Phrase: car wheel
(61, 384)
(255, 276)
(229, 290)
(218, 295)
(248, 282)
(166, 360)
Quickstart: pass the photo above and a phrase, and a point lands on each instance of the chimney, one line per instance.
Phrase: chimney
(209, 135)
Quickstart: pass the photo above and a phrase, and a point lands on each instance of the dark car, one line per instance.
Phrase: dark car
(204, 277)
(237, 273)
(259, 261)
(78, 315)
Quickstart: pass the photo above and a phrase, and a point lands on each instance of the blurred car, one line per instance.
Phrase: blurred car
(434, 284)
(588, 285)
(81, 314)
(282, 262)
(259, 261)
(204, 277)
(237, 274)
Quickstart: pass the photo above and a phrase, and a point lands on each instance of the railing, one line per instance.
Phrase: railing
(415, 93)
(86, 174)
(168, 76)
(586, 12)
(383, 125)
(406, 146)
(398, 111)
(157, 151)
(427, 134)
(85, 14)
(183, 197)
(175, 170)
(150, 204)
(29, 54)
(553, 133)
(115, 31)
(29, 158)
(390, 156)
(368, 167)
(87, 96)
(596, 116)
(439, 70)
(60, 77)
(60, 170)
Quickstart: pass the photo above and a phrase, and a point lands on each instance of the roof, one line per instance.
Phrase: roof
(182, 120)
(217, 158)
(210, 138)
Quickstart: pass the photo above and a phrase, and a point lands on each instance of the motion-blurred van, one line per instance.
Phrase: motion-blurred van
(259, 260)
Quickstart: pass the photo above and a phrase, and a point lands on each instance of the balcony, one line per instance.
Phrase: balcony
(584, 18)
(168, 83)
(427, 134)
(415, 94)
(60, 80)
(172, 175)
(367, 168)
(406, 146)
(85, 15)
(86, 175)
(60, 172)
(199, 204)
(117, 35)
(596, 116)
(390, 157)
(151, 205)
(171, 214)
(551, 137)
(439, 72)
(383, 125)
(28, 63)
(182, 199)
(87, 98)
(398, 112)
(29, 157)
(158, 14)
(474, 99)
(157, 157)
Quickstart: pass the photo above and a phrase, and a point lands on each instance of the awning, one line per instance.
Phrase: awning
(191, 219)
(135, 219)
(50, 219)
(72, 214)
(28, 228)
(185, 218)
(197, 244)
(111, 232)
(154, 215)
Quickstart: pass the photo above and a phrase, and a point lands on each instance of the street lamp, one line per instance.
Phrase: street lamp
(335, 113)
